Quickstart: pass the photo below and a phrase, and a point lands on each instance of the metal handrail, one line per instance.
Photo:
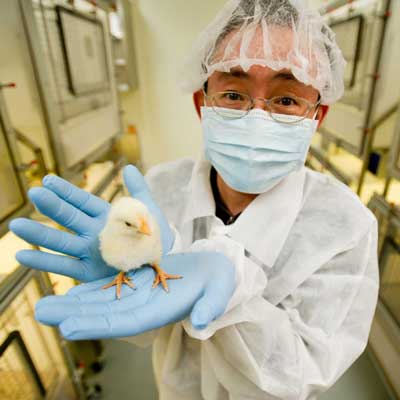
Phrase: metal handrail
(102, 185)
(13, 285)
(37, 151)
(15, 336)
(10, 288)
(327, 164)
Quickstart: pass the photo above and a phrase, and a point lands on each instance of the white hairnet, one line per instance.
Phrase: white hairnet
(275, 33)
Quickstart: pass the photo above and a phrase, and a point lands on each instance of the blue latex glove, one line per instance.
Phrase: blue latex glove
(84, 214)
(90, 312)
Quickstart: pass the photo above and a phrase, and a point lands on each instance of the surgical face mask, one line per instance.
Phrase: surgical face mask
(253, 153)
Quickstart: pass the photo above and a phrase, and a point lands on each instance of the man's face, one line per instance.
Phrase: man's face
(261, 81)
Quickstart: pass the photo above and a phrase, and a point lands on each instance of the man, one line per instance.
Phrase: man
(279, 263)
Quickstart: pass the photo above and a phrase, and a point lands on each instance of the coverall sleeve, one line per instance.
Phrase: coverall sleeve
(298, 348)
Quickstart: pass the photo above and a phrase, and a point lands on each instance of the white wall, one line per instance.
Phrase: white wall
(168, 126)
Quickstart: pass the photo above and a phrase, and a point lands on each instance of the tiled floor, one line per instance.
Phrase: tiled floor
(128, 375)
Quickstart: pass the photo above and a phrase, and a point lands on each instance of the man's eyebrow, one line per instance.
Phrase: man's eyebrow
(236, 73)
(285, 75)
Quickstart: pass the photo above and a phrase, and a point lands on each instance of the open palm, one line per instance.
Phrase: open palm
(90, 312)
(84, 214)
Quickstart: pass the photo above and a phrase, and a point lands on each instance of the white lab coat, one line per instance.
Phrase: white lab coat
(305, 255)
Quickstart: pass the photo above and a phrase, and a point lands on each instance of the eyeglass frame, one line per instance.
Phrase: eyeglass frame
(266, 101)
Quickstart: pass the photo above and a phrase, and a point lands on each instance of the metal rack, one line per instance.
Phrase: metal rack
(385, 332)
(354, 25)
(12, 180)
(361, 122)
(350, 121)
(390, 269)
(394, 160)
(79, 357)
(67, 129)
(15, 338)
(73, 123)
(40, 343)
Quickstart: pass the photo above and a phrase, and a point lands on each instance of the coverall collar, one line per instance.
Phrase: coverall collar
(266, 222)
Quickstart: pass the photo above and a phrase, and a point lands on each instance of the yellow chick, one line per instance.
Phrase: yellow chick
(131, 238)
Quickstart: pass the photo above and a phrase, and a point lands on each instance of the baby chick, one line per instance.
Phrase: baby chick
(131, 238)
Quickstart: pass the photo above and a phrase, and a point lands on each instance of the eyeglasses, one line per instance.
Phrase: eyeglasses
(288, 109)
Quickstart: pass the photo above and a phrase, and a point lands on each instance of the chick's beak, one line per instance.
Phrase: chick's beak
(144, 227)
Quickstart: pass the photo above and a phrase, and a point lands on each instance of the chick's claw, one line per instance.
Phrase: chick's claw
(162, 276)
(118, 281)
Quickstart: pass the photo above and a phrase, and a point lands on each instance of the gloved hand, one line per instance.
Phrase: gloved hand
(84, 214)
(89, 312)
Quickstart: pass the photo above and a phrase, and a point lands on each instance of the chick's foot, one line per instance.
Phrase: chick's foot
(118, 281)
(162, 276)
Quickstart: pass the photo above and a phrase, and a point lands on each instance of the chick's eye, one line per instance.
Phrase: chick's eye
(128, 224)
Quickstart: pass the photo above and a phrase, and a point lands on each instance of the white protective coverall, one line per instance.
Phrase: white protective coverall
(305, 255)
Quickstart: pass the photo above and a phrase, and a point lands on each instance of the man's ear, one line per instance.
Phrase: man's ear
(198, 100)
(321, 114)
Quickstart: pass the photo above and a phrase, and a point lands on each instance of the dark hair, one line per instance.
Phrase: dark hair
(281, 12)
